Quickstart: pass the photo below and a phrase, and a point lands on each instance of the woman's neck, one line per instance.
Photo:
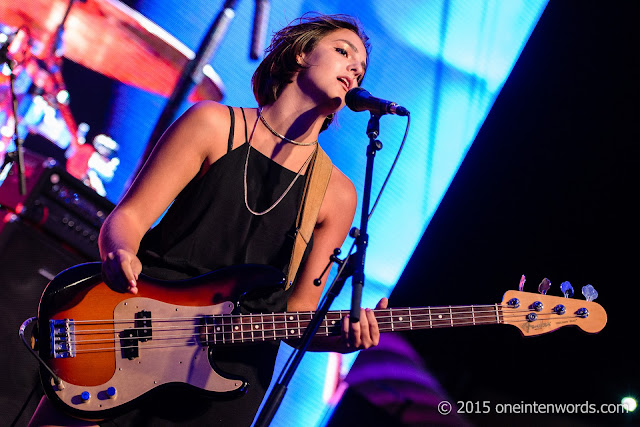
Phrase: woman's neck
(294, 118)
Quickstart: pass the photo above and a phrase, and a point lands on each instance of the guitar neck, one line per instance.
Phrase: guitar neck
(230, 329)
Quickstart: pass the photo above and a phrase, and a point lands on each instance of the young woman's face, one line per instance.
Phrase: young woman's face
(334, 66)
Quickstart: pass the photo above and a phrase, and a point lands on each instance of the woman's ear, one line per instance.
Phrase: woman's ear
(300, 59)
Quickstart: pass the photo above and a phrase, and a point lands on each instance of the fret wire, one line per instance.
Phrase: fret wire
(326, 326)
(451, 315)
(253, 338)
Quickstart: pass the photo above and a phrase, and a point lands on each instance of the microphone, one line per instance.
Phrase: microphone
(359, 99)
(259, 34)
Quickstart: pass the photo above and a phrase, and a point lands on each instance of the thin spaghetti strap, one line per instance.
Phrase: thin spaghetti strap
(232, 129)
(246, 134)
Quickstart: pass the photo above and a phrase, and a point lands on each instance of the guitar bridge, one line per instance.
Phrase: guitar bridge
(62, 338)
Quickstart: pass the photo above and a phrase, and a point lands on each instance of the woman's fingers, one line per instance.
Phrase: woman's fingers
(121, 270)
(364, 333)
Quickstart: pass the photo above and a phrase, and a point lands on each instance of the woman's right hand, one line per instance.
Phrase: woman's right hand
(120, 270)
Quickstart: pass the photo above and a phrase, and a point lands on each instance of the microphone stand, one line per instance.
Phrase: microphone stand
(191, 75)
(276, 395)
(361, 236)
(354, 267)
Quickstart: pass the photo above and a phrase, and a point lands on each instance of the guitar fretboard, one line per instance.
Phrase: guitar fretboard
(230, 329)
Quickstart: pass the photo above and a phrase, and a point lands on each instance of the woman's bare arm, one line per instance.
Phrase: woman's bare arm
(197, 139)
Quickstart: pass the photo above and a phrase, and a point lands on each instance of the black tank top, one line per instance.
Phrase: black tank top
(208, 226)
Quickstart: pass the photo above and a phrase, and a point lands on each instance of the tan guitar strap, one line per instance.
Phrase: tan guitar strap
(319, 172)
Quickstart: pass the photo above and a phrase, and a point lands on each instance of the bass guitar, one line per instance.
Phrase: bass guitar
(102, 350)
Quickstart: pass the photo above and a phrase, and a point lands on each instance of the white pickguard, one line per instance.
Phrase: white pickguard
(170, 356)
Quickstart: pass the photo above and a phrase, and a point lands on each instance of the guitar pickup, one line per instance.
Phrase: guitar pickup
(141, 332)
(143, 325)
(129, 344)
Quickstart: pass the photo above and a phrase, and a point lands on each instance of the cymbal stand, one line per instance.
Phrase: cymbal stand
(191, 75)
(52, 64)
(16, 156)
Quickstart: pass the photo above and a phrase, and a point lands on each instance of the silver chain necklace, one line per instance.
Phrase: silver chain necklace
(246, 164)
(284, 138)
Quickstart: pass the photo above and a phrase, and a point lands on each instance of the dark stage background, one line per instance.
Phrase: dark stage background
(548, 189)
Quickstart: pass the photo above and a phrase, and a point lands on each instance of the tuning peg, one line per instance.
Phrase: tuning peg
(544, 286)
(566, 289)
(521, 284)
(590, 294)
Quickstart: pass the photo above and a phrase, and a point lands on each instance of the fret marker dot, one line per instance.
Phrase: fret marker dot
(236, 328)
(333, 322)
(292, 332)
(290, 317)
(400, 318)
(439, 316)
(257, 326)
(218, 329)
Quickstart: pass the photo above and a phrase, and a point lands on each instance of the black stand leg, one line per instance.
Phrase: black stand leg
(280, 388)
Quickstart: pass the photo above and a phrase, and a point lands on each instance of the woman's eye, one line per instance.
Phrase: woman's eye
(341, 51)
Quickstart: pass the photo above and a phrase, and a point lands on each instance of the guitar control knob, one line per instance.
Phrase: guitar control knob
(85, 396)
(111, 392)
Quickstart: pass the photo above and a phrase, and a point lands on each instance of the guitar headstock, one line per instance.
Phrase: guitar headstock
(536, 314)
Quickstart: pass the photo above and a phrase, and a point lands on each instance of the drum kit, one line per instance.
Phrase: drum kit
(105, 36)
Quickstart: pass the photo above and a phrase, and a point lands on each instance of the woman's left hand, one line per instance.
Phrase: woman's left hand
(364, 333)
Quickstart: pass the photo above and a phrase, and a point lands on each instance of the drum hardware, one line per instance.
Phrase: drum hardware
(102, 35)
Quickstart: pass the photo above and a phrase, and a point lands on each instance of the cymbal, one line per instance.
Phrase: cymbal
(113, 39)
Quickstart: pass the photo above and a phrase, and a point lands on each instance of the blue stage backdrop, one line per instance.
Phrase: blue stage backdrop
(445, 61)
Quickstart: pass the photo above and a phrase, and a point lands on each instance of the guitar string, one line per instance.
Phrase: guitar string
(228, 341)
(293, 313)
(414, 312)
(442, 323)
(416, 317)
